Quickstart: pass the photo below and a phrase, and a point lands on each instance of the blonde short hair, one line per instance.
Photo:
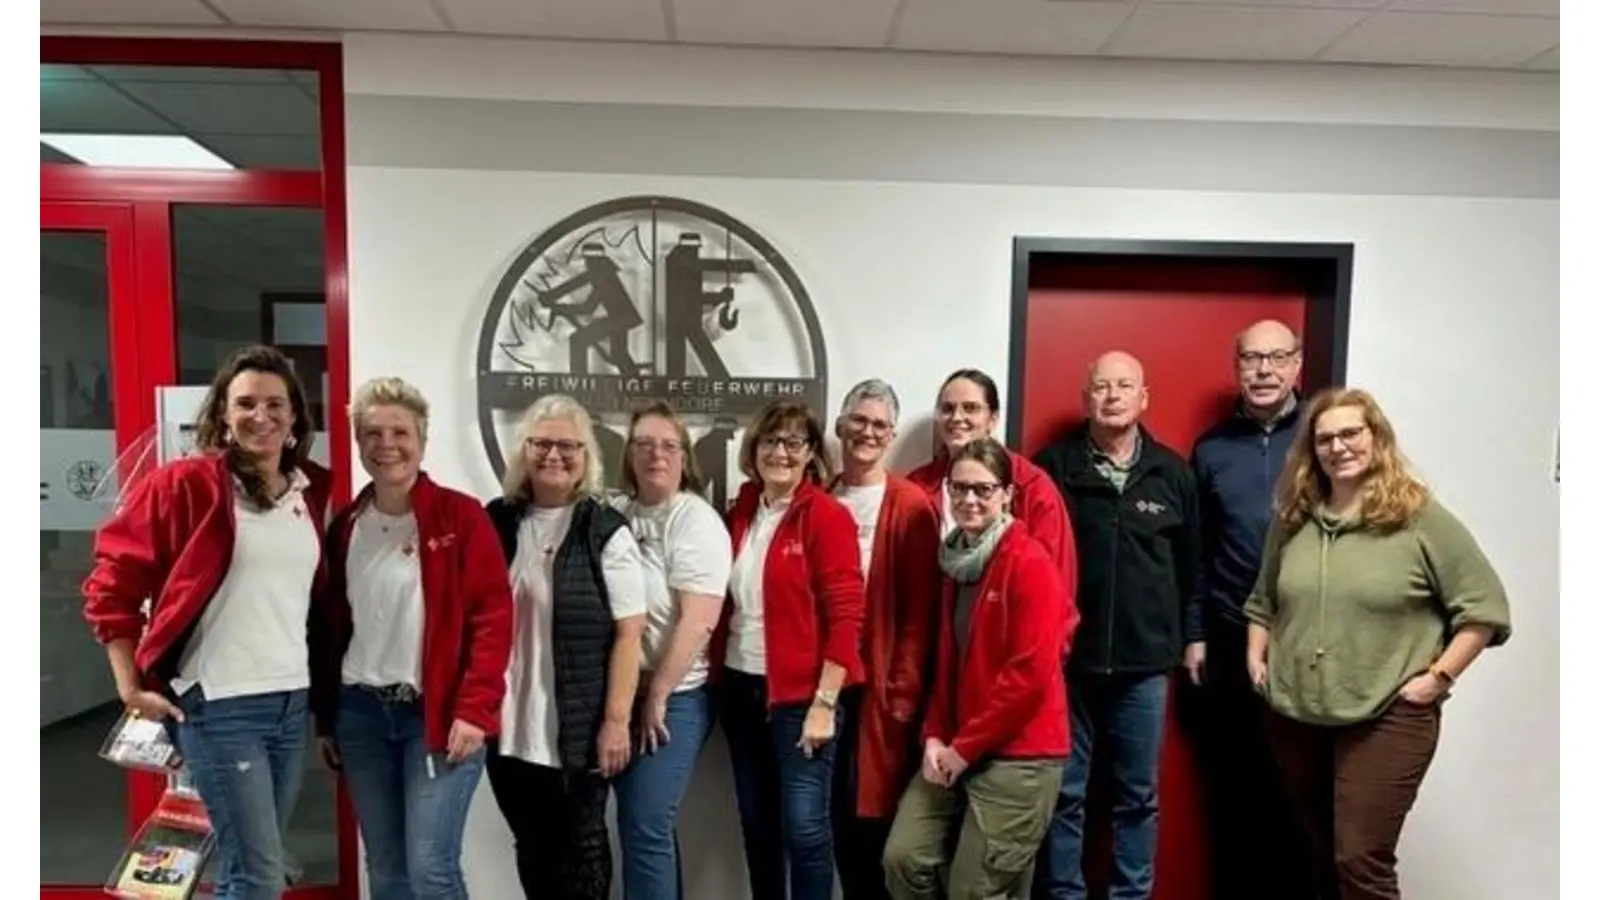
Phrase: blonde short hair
(553, 406)
(389, 391)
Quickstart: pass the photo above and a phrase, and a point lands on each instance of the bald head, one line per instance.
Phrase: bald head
(1267, 333)
(1113, 391)
(1267, 360)
(1114, 366)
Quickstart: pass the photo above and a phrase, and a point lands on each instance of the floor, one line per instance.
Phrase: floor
(83, 811)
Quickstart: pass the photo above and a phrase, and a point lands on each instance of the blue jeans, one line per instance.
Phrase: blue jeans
(783, 796)
(411, 804)
(1129, 714)
(247, 756)
(649, 793)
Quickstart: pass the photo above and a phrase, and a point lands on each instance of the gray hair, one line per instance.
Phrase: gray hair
(388, 391)
(553, 406)
(872, 389)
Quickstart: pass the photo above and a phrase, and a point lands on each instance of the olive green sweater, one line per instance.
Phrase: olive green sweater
(1355, 613)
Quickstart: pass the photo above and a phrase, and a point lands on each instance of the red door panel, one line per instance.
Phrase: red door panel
(1180, 320)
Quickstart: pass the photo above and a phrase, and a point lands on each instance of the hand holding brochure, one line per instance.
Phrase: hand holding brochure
(139, 743)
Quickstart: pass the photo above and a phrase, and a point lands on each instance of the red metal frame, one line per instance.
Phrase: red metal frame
(115, 221)
(253, 187)
(134, 209)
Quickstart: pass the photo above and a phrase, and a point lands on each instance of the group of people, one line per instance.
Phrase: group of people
(915, 673)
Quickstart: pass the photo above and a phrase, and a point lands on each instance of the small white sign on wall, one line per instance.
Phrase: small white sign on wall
(177, 409)
(73, 466)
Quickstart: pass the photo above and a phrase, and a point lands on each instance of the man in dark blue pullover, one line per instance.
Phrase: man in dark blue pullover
(1258, 849)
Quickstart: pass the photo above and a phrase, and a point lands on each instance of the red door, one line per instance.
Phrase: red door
(1179, 319)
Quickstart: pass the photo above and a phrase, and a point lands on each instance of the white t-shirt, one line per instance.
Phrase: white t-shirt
(383, 574)
(747, 638)
(251, 639)
(529, 724)
(685, 548)
(864, 502)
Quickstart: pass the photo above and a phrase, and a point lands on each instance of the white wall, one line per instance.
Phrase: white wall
(1454, 321)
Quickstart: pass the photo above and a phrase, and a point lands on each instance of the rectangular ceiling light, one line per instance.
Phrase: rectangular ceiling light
(136, 151)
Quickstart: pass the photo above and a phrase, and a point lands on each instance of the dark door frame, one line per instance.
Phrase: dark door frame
(1324, 270)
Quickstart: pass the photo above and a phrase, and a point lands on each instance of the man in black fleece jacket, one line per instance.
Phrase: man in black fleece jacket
(1135, 520)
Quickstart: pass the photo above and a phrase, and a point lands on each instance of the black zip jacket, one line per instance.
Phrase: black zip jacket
(1138, 555)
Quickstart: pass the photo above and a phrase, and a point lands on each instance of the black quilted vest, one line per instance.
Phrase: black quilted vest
(582, 622)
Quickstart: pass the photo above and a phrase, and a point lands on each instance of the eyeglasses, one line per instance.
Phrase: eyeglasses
(858, 422)
(791, 443)
(1251, 359)
(982, 490)
(567, 448)
(1346, 436)
(648, 446)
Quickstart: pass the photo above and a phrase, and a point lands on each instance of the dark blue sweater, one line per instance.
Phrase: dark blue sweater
(1236, 466)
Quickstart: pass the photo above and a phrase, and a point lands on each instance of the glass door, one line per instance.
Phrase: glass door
(235, 236)
(92, 405)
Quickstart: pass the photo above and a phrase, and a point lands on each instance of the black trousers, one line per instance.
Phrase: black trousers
(1259, 849)
(558, 825)
(857, 842)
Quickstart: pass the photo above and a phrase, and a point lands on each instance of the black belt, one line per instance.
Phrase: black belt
(392, 693)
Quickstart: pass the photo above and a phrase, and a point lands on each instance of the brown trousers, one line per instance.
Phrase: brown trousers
(1352, 787)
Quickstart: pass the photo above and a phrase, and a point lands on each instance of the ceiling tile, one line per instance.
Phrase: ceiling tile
(814, 23)
(1445, 39)
(56, 72)
(1550, 8)
(49, 154)
(94, 107)
(231, 109)
(1009, 26)
(373, 15)
(265, 151)
(127, 12)
(187, 75)
(1231, 32)
(1546, 62)
(616, 20)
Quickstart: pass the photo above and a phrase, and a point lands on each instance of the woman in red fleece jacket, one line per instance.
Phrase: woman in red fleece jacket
(789, 642)
(227, 546)
(996, 736)
(968, 410)
(409, 644)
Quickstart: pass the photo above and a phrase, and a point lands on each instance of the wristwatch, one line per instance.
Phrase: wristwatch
(1439, 672)
(830, 699)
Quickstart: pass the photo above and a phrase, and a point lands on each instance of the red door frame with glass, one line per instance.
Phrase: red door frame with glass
(134, 207)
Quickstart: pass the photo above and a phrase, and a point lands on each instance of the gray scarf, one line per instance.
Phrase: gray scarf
(964, 558)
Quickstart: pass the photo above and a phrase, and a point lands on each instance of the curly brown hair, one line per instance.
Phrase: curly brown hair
(1391, 495)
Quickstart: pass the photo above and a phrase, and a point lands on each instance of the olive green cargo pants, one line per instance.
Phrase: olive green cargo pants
(1002, 809)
